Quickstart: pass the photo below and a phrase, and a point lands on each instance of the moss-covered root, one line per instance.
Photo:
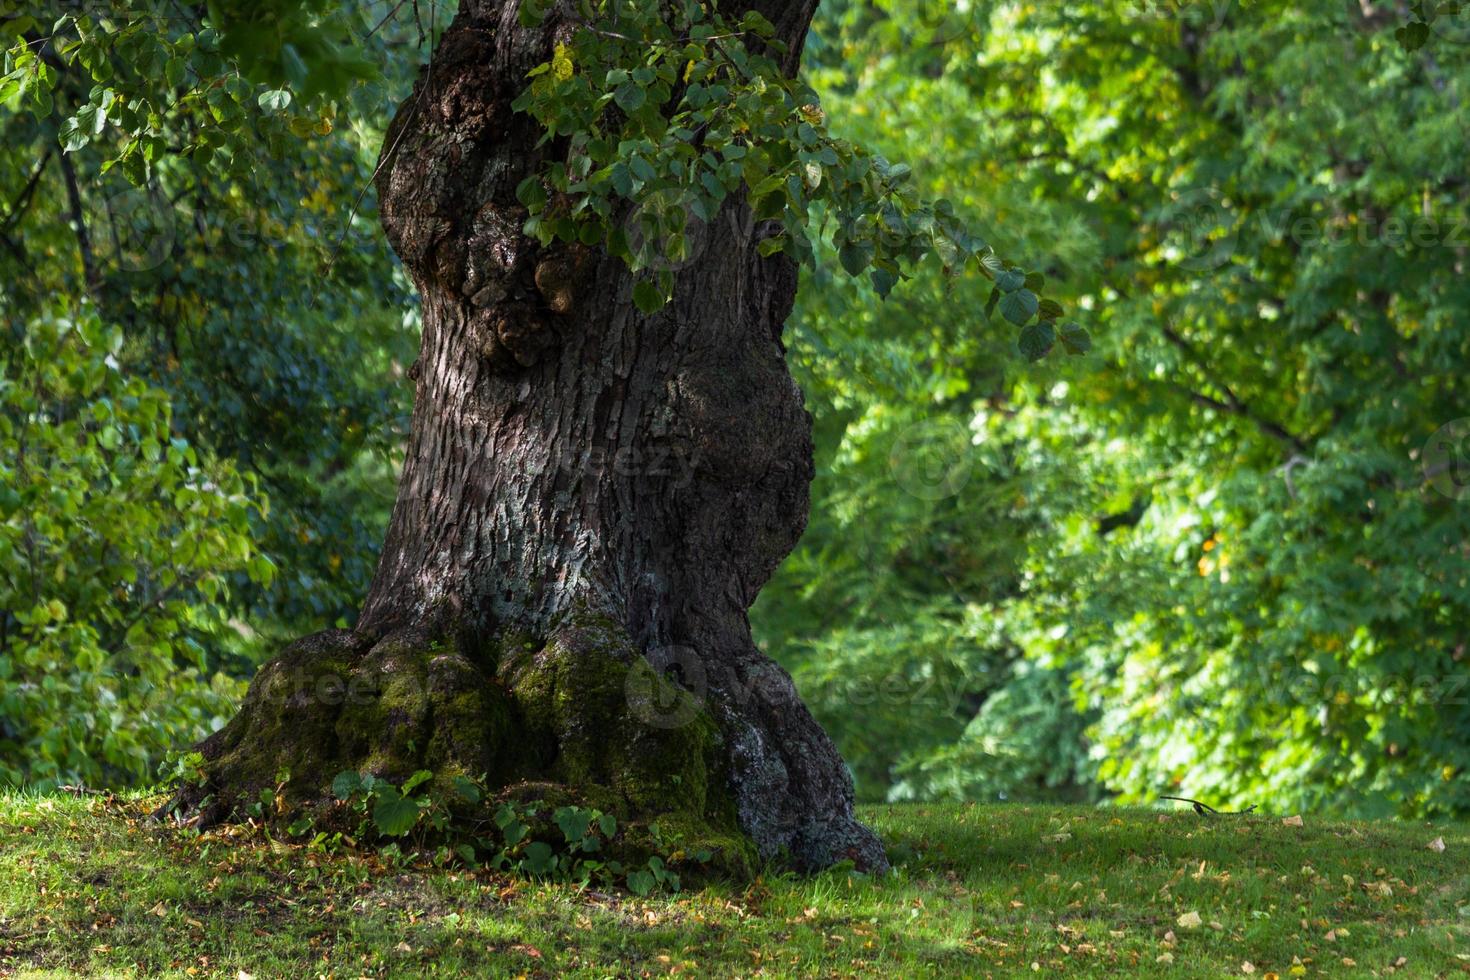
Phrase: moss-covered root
(581, 716)
(337, 700)
(626, 737)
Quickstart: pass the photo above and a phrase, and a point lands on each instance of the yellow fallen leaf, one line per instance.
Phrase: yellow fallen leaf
(1293, 821)
(1164, 958)
(1189, 920)
(1247, 967)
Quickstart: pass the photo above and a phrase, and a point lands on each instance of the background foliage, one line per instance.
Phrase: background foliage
(1224, 553)
(117, 546)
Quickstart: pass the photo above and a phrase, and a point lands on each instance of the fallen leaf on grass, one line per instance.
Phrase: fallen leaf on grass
(1437, 845)
(1189, 920)
(1293, 821)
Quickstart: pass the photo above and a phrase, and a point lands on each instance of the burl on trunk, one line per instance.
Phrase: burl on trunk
(590, 502)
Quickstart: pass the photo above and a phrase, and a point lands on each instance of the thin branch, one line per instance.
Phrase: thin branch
(84, 242)
(23, 199)
(1232, 404)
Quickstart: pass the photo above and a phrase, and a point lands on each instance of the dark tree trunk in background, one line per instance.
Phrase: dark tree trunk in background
(587, 491)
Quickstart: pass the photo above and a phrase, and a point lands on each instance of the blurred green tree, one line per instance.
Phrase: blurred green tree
(118, 543)
(1235, 531)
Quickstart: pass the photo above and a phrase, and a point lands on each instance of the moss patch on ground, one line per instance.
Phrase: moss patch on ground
(88, 885)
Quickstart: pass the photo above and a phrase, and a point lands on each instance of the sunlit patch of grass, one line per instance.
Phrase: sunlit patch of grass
(90, 885)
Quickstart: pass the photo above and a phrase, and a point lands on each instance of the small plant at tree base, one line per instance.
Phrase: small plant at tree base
(464, 825)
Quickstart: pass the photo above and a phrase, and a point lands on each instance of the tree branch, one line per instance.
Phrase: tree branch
(90, 271)
(1232, 404)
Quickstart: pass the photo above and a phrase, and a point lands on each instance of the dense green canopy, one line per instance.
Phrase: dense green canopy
(1224, 552)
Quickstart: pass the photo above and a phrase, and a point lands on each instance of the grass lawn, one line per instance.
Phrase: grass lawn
(89, 885)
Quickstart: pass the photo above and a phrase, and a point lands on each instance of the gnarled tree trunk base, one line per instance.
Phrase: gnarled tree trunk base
(579, 717)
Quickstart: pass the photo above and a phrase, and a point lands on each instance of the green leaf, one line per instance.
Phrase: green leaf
(416, 780)
(1037, 339)
(1010, 280)
(274, 101)
(992, 302)
(1020, 306)
(883, 282)
(394, 815)
(346, 785)
(855, 257)
(630, 97)
(648, 297)
(573, 822)
(757, 24)
(1075, 339)
(538, 858)
(1412, 36)
(643, 170)
(641, 883)
(467, 789)
(532, 193)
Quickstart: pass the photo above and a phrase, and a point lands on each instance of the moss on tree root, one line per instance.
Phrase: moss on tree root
(577, 718)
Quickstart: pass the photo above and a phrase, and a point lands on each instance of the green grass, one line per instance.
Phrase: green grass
(91, 886)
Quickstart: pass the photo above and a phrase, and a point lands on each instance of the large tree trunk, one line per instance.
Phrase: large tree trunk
(587, 491)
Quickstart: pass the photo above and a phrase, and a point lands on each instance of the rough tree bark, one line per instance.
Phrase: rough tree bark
(591, 501)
